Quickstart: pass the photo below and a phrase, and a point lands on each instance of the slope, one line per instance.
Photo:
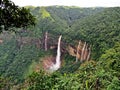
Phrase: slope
(101, 30)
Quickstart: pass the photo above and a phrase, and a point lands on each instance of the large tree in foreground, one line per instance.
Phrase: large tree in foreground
(14, 16)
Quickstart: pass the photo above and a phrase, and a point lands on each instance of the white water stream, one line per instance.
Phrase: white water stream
(56, 66)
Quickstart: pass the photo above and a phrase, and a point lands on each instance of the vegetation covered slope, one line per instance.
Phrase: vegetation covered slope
(99, 27)
(101, 30)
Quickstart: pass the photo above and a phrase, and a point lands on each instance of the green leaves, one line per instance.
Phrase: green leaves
(14, 16)
(115, 84)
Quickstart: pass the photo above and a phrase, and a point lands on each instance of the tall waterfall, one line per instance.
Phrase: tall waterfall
(82, 53)
(78, 51)
(88, 57)
(46, 39)
(56, 66)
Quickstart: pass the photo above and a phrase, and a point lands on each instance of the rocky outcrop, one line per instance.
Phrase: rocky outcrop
(81, 51)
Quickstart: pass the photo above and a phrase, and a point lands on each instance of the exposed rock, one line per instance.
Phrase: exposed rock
(81, 52)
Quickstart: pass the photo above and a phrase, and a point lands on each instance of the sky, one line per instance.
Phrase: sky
(80, 3)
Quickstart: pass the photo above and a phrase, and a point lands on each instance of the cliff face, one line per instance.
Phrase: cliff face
(81, 51)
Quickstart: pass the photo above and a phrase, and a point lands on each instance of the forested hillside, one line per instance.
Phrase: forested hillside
(22, 52)
(101, 30)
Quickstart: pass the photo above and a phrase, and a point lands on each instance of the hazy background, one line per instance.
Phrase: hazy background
(80, 3)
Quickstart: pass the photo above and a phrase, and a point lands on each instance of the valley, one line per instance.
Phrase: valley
(69, 48)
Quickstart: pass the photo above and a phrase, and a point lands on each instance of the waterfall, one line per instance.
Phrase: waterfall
(46, 38)
(78, 48)
(82, 53)
(89, 52)
(85, 52)
(56, 66)
(58, 53)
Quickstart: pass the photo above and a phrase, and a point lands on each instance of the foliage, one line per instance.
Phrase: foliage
(14, 16)
(5, 84)
(38, 81)
(14, 62)
(90, 75)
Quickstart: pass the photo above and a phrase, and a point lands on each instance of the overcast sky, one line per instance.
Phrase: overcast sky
(80, 3)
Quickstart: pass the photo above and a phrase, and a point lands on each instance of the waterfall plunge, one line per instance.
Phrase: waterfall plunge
(56, 66)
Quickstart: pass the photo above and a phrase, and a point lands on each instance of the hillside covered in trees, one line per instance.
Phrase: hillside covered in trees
(96, 31)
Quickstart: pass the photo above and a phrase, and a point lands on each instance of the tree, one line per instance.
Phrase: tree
(14, 16)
